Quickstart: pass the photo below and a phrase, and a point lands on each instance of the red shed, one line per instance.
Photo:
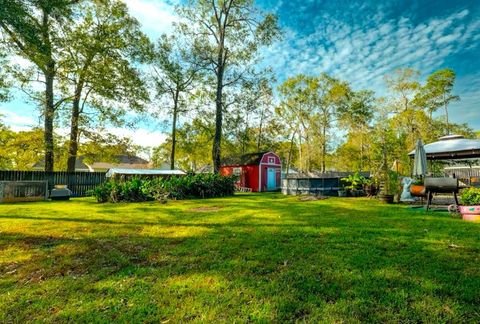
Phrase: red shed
(257, 171)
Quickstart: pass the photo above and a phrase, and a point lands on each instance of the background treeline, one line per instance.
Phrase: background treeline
(87, 66)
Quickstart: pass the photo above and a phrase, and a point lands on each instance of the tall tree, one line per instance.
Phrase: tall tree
(356, 116)
(294, 110)
(98, 70)
(310, 107)
(401, 103)
(194, 139)
(32, 30)
(249, 113)
(174, 76)
(403, 83)
(437, 92)
(227, 35)
(330, 96)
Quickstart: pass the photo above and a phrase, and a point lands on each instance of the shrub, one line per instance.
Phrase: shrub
(355, 181)
(471, 196)
(102, 192)
(199, 186)
(187, 187)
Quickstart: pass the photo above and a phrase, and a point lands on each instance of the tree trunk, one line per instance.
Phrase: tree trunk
(385, 166)
(361, 151)
(174, 130)
(217, 139)
(324, 148)
(74, 127)
(259, 140)
(300, 155)
(49, 117)
(446, 114)
(290, 151)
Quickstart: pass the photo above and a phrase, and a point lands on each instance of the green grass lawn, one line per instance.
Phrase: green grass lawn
(252, 257)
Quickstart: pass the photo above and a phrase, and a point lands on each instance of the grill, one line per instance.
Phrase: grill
(60, 192)
(441, 185)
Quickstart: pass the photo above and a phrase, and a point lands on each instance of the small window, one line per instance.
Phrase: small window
(271, 160)
(237, 171)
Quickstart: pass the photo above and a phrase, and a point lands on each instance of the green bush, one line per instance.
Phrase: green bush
(471, 196)
(199, 186)
(186, 187)
(102, 192)
(355, 181)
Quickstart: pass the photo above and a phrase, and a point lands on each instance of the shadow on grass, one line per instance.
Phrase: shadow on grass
(282, 261)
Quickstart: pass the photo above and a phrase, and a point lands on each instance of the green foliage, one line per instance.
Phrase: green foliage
(187, 187)
(106, 147)
(20, 150)
(4, 82)
(104, 46)
(355, 181)
(308, 109)
(134, 190)
(400, 119)
(470, 196)
(417, 182)
(227, 38)
(33, 30)
(103, 192)
(203, 185)
(393, 183)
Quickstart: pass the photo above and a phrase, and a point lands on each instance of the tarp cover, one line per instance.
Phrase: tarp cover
(453, 147)
(115, 171)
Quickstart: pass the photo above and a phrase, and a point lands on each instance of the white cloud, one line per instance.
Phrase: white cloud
(155, 16)
(16, 121)
(140, 136)
(363, 52)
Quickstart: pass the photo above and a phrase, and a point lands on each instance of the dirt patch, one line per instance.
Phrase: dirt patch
(206, 209)
(312, 198)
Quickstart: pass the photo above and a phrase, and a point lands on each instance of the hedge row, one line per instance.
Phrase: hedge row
(186, 187)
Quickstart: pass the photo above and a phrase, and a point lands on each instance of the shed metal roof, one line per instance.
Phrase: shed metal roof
(115, 171)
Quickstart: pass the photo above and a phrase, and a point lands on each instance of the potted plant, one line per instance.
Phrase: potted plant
(370, 187)
(390, 187)
(470, 208)
(417, 188)
(354, 184)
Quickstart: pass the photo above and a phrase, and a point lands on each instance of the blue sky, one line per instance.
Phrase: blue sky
(357, 41)
(362, 41)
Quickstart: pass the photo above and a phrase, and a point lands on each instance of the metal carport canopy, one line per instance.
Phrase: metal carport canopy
(452, 147)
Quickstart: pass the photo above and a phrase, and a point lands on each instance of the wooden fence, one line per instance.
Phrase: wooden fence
(78, 182)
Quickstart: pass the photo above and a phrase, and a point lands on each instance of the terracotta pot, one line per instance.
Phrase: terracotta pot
(470, 213)
(417, 190)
